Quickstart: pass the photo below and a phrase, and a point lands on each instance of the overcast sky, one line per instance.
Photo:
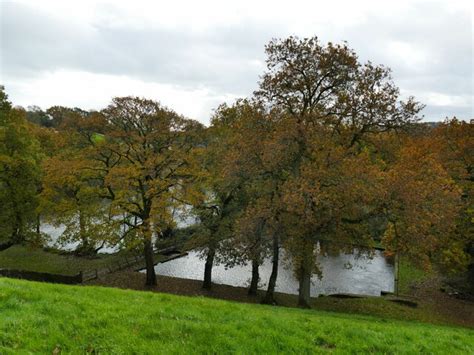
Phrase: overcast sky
(194, 55)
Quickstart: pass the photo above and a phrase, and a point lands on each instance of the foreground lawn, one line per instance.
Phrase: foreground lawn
(42, 318)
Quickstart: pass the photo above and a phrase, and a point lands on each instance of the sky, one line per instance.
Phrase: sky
(194, 55)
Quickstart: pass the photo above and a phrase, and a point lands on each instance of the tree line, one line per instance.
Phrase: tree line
(325, 154)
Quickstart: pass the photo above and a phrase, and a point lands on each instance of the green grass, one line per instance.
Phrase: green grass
(410, 275)
(382, 307)
(4, 239)
(22, 257)
(98, 138)
(39, 318)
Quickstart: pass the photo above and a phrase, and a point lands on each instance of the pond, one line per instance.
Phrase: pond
(181, 215)
(55, 232)
(345, 273)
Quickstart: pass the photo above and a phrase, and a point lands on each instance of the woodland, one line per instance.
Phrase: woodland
(325, 155)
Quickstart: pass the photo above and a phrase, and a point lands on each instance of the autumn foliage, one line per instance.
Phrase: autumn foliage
(324, 157)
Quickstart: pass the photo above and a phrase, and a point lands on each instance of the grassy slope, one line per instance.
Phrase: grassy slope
(382, 307)
(40, 317)
(410, 275)
(21, 257)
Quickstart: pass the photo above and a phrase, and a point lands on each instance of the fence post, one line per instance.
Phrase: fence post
(397, 274)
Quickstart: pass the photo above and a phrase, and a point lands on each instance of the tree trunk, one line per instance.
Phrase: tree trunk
(305, 270)
(269, 296)
(17, 235)
(15, 238)
(305, 287)
(255, 278)
(207, 283)
(397, 273)
(82, 233)
(149, 261)
(38, 224)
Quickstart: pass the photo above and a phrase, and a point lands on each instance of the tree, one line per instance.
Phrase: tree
(307, 79)
(453, 143)
(70, 196)
(421, 205)
(253, 242)
(62, 117)
(329, 104)
(143, 162)
(216, 215)
(242, 167)
(248, 163)
(19, 172)
(329, 202)
(220, 199)
(36, 115)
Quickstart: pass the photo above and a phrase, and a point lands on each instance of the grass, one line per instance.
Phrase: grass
(29, 258)
(410, 275)
(4, 239)
(98, 138)
(43, 318)
(382, 307)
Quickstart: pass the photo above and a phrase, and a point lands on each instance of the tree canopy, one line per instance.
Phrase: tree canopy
(324, 157)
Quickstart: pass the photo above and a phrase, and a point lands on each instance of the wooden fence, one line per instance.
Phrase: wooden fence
(125, 262)
(87, 275)
(42, 276)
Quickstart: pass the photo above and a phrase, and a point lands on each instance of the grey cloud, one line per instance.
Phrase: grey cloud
(439, 113)
(446, 39)
(225, 59)
(220, 59)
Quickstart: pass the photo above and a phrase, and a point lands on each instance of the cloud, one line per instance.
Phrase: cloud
(83, 53)
(94, 91)
(226, 59)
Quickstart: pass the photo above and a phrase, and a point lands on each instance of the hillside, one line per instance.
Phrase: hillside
(45, 318)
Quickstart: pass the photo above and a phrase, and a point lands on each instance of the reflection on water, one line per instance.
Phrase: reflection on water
(182, 217)
(341, 274)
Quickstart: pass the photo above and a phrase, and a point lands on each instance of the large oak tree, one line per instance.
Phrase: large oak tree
(143, 160)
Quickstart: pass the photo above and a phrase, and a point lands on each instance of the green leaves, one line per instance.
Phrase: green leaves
(19, 172)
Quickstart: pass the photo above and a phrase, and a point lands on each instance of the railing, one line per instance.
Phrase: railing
(120, 264)
(83, 276)
(42, 276)
(126, 262)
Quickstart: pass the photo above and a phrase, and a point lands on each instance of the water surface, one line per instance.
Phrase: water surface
(345, 273)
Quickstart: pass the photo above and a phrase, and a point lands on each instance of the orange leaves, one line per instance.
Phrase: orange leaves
(422, 202)
(148, 156)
